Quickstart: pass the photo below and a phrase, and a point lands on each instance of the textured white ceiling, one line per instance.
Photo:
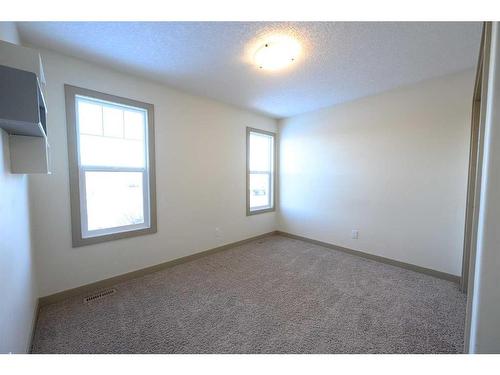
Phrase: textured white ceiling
(341, 61)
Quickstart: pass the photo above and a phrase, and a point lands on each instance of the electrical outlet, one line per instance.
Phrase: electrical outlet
(355, 234)
(218, 233)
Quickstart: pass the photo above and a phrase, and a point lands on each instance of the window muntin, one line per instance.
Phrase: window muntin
(260, 173)
(111, 166)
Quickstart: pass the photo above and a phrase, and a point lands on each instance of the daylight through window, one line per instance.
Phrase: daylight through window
(260, 171)
(114, 166)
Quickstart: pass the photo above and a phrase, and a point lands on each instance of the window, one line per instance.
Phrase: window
(111, 159)
(261, 148)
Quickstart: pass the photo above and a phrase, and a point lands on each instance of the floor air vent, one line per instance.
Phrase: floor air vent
(99, 295)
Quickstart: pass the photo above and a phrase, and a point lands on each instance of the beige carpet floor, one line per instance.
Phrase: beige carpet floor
(274, 295)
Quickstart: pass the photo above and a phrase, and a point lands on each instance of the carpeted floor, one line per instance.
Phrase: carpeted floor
(274, 295)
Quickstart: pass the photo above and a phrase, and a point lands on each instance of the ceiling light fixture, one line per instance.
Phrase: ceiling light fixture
(277, 52)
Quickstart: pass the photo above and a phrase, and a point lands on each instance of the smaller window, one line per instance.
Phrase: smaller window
(261, 148)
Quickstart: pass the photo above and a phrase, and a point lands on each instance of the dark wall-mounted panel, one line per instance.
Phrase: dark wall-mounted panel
(22, 106)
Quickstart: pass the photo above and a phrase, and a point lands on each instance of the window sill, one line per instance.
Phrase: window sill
(262, 211)
(78, 241)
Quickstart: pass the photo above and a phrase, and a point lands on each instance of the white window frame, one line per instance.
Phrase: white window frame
(272, 174)
(80, 234)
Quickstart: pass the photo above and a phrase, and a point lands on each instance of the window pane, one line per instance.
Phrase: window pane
(111, 135)
(259, 190)
(135, 123)
(112, 119)
(111, 152)
(89, 118)
(260, 152)
(114, 199)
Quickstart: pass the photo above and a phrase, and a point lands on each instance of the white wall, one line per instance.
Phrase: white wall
(17, 281)
(200, 180)
(485, 327)
(8, 32)
(393, 166)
